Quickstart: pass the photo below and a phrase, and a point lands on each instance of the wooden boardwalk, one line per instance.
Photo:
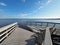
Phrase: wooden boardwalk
(19, 37)
(47, 38)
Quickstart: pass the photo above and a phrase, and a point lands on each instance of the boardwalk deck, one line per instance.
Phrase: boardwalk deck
(47, 38)
(19, 37)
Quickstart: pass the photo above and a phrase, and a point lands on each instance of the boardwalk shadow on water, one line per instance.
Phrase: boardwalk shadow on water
(31, 41)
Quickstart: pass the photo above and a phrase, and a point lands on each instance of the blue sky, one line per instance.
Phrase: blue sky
(29, 8)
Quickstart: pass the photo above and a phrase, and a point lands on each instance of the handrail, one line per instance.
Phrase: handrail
(47, 24)
(50, 26)
(6, 27)
(7, 30)
(47, 40)
(47, 36)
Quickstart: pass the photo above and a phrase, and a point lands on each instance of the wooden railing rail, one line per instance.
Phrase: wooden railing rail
(7, 30)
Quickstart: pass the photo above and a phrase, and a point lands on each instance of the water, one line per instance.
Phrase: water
(22, 22)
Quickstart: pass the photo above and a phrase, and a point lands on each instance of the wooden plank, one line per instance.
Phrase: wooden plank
(47, 40)
(20, 37)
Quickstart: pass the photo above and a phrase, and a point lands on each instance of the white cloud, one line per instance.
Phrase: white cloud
(49, 1)
(40, 7)
(23, 15)
(3, 4)
(43, 5)
(47, 16)
(38, 2)
(51, 16)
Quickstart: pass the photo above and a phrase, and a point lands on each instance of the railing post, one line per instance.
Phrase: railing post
(47, 24)
(41, 24)
(47, 40)
(54, 25)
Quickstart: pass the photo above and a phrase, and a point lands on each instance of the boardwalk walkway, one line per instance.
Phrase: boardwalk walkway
(19, 37)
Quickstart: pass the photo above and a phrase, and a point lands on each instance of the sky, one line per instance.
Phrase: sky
(29, 9)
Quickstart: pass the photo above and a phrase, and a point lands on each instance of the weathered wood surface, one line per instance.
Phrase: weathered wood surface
(36, 28)
(19, 37)
(48, 40)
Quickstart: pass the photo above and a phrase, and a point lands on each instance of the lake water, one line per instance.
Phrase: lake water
(22, 22)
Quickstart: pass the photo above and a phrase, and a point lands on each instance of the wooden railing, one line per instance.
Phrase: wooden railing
(47, 39)
(7, 30)
(50, 27)
(47, 24)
